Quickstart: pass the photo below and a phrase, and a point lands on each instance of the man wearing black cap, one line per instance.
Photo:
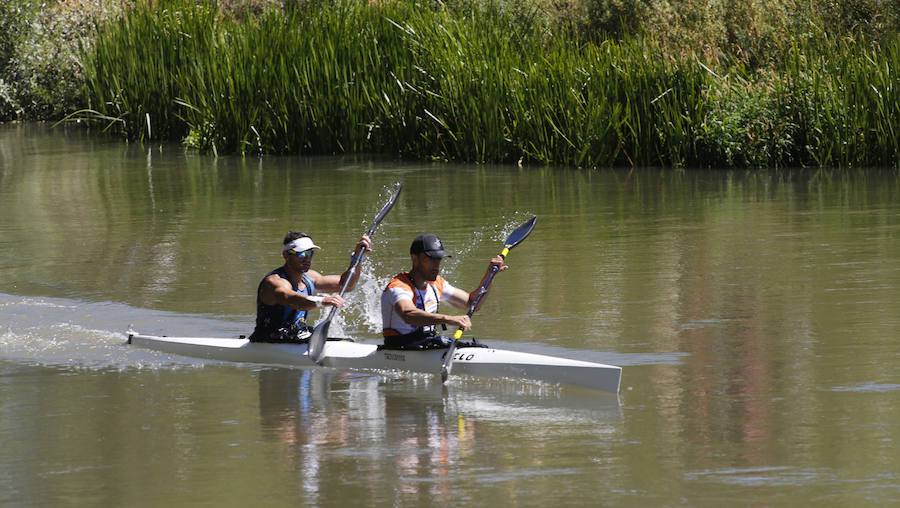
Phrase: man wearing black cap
(409, 303)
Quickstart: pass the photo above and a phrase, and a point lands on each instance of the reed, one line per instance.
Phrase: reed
(847, 97)
(830, 102)
(134, 68)
(475, 83)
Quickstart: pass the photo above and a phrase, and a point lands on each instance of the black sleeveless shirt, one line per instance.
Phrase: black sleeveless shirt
(270, 318)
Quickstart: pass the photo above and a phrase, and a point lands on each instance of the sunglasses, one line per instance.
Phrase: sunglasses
(302, 255)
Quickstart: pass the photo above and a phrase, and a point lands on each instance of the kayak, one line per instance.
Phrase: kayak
(347, 354)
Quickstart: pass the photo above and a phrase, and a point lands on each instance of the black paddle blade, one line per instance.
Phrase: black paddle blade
(385, 209)
(317, 342)
(520, 233)
(448, 364)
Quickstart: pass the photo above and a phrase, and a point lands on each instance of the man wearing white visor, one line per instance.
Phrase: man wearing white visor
(287, 294)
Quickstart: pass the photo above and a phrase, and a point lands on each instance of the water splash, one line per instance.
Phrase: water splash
(61, 332)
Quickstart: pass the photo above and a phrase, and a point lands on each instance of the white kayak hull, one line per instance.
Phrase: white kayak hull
(344, 354)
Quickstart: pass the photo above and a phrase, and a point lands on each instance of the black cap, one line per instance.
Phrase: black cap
(430, 245)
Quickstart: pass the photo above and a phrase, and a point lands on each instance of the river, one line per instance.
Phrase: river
(755, 314)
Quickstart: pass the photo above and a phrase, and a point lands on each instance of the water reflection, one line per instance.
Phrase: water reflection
(755, 313)
(407, 431)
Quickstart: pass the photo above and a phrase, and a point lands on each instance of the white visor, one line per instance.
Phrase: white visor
(300, 245)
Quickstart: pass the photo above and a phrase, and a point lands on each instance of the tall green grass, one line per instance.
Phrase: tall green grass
(847, 98)
(475, 83)
(133, 67)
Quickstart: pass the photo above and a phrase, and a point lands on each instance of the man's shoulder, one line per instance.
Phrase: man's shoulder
(275, 274)
(274, 280)
(440, 283)
(401, 281)
(314, 276)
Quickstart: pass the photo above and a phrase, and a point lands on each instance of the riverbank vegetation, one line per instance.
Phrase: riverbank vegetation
(587, 83)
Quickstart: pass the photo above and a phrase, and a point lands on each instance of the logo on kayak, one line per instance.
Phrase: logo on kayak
(457, 356)
(395, 356)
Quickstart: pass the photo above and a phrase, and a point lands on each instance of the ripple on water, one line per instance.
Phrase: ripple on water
(868, 388)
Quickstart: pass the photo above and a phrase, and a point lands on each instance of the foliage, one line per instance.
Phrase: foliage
(15, 22)
(575, 82)
(847, 99)
(465, 83)
(40, 76)
(747, 125)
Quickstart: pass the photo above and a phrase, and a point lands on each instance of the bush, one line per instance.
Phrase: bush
(749, 125)
(16, 18)
(40, 73)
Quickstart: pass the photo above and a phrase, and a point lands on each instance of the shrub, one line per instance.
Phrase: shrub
(39, 49)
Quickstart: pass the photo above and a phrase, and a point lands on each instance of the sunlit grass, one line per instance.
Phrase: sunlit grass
(476, 84)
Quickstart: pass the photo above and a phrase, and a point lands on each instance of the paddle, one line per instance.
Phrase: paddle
(515, 238)
(320, 333)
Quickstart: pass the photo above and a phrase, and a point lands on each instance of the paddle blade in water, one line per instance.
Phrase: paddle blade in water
(317, 342)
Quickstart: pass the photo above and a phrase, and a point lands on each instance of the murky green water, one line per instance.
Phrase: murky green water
(756, 316)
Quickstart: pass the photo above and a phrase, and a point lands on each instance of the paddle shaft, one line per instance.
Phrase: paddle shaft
(448, 359)
(317, 339)
(481, 292)
(361, 251)
(357, 259)
(514, 239)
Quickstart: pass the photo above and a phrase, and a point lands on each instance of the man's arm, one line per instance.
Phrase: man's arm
(415, 316)
(333, 283)
(462, 300)
(278, 291)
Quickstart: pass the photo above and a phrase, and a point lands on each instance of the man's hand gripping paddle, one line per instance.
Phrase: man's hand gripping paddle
(320, 333)
(515, 238)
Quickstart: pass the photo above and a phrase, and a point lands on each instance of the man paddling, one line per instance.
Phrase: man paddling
(287, 294)
(409, 303)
